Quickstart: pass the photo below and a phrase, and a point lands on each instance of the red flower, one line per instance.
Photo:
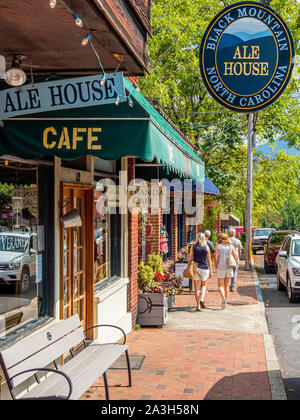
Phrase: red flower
(158, 276)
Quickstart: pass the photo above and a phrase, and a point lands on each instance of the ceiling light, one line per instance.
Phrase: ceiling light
(15, 76)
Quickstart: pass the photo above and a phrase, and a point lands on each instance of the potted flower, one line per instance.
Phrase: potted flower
(182, 255)
(168, 265)
(152, 300)
(172, 285)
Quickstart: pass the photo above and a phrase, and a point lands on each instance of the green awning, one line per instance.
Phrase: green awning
(107, 131)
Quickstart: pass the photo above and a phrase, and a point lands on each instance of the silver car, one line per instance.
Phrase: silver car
(260, 238)
(17, 258)
(288, 267)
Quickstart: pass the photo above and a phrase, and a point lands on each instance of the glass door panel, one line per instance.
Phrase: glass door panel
(74, 257)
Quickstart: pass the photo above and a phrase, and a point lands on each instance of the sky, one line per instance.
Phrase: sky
(243, 25)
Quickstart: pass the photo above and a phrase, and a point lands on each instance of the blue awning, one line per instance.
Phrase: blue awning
(210, 187)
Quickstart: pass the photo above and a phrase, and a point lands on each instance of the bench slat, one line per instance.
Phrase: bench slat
(25, 348)
(45, 356)
(84, 370)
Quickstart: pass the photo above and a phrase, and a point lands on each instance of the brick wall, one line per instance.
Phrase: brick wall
(133, 249)
(174, 234)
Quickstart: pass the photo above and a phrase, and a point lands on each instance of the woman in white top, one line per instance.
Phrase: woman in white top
(224, 273)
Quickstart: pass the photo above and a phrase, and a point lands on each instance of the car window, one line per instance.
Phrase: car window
(277, 239)
(296, 248)
(262, 232)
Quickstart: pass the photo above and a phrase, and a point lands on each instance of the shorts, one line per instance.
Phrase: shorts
(222, 273)
(201, 274)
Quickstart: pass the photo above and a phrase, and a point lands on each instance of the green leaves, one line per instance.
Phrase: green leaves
(175, 85)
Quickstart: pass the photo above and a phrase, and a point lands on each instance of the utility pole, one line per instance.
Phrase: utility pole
(251, 144)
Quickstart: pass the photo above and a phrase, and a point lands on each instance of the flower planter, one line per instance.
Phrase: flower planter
(152, 309)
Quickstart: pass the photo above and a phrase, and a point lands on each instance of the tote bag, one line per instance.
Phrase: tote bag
(231, 261)
(190, 271)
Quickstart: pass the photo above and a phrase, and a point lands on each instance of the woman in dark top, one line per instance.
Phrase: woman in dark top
(200, 253)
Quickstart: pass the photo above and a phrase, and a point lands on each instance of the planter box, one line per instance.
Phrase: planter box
(171, 302)
(152, 309)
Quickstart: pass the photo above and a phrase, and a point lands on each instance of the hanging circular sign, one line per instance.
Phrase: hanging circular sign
(246, 57)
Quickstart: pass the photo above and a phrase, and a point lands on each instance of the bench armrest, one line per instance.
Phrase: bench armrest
(47, 370)
(110, 326)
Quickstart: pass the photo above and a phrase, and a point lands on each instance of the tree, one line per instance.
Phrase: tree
(175, 83)
(290, 219)
(176, 87)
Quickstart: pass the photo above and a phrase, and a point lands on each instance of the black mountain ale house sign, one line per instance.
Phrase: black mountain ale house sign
(246, 57)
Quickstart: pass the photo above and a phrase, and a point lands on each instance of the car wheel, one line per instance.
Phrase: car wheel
(280, 286)
(290, 293)
(25, 280)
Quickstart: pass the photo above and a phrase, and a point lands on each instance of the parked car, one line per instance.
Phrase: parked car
(260, 237)
(272, 248)
(288, 267)
(17, 258)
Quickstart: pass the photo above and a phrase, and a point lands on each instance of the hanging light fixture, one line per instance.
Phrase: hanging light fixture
(103, 80)
(78, 21)
(86, 40)
(52, 4)
(15, 76)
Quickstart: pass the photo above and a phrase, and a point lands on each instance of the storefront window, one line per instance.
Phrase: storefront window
(101, 243)
(22, 234)
(107, 243)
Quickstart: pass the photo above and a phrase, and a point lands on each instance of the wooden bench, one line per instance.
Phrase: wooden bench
(33, 355)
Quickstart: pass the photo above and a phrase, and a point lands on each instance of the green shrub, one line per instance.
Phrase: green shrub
(243, 238)
(155, 262)
(214, 238)
(145, 277)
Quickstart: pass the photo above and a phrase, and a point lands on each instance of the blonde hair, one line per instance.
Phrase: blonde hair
(201, 239)
(223, 239)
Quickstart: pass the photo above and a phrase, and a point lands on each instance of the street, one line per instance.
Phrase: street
(282, 322)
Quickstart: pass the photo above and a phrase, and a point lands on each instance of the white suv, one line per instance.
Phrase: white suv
(17, 258)
(288, 267)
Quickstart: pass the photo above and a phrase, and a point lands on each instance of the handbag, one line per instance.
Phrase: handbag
(191, 270)
(231, 261)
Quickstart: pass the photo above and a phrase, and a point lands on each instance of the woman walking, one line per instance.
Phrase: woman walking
(224, 272)
(200, 253)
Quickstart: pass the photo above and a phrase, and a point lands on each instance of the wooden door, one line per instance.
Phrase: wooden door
(76, 246)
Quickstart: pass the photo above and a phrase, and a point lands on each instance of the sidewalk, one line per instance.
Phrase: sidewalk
(211, 355)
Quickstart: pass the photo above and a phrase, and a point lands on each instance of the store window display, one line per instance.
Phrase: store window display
(21, 247)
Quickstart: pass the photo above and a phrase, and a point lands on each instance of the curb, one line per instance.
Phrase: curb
(274, 374)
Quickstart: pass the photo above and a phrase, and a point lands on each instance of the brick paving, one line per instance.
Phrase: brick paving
(188, 364)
